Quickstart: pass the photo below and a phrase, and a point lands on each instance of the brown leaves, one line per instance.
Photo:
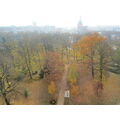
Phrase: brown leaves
(54, 65)
(74, 90)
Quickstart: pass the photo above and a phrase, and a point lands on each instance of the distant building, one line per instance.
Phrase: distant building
(105, 28)
(81, 28)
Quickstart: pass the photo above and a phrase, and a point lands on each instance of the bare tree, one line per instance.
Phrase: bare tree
(7, 86)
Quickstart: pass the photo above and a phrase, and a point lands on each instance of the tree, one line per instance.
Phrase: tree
(96, 53)
(86, 47)
(53, 67)
(52, 70)
(103, 58)
(7, 86)
(115, 63)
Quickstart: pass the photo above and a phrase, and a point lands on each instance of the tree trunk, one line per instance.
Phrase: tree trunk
(92, 68)
(6, 100)
(92, 63)
(101, 67)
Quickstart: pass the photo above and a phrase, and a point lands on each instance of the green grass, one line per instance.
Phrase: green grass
(72, 73)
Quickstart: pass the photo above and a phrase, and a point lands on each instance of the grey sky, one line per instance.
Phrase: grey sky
(61, 13)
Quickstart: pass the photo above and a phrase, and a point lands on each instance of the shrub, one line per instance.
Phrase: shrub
(26, 93)
(53, 102)
(51, 88)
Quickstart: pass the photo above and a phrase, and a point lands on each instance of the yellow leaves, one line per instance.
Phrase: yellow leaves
(72, 81)
(51, 88)
(72, 74)
(74, 90)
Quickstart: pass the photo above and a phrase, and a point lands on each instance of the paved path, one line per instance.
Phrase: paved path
(63, 87)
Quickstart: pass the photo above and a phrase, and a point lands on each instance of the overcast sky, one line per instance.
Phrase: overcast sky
(60, 13)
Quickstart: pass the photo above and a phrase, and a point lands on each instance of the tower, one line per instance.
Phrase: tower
(81, 28)
(80, 24)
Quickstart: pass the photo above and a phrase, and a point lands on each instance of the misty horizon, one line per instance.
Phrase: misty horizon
(64, 13)
(49, 25)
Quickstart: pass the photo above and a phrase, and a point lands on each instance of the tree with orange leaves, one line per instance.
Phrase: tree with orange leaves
(86, 47)
(53, 69)
(96, 54)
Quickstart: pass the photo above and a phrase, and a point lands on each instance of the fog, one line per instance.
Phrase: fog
(60, 13)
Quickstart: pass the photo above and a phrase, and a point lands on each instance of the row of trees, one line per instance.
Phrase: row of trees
(32, 56)
(29, 56)
(94, 51)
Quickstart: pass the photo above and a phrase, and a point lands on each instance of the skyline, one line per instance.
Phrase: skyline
(59, 13)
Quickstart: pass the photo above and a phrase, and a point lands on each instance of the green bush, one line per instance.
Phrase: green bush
(26, 93)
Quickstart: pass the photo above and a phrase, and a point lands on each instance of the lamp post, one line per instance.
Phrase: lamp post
(67, 96)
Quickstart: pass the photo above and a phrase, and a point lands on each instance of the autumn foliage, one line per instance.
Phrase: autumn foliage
(51, 88)
(74, 90)
(86, 43)
(53, 68)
